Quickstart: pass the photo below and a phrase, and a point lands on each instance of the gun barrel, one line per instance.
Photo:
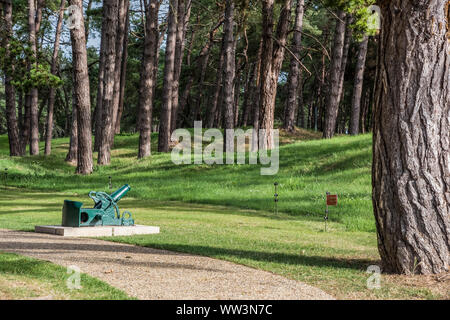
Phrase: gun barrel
(120, 193)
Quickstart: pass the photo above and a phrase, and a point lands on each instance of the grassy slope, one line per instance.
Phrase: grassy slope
(291, 243)
(307, 171)
(26, 278)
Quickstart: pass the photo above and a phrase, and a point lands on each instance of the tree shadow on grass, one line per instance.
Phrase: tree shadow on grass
(23, 266)
(270, 257)
(213, 252)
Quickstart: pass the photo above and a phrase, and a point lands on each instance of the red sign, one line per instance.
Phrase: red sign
(332, 200)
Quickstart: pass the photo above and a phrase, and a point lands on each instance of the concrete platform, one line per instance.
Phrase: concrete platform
(97, 231)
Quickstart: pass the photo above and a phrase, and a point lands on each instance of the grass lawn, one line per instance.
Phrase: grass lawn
(26, 278)
(227, 212)
(307, 171)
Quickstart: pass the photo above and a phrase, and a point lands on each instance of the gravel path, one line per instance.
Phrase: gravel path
(153, 274)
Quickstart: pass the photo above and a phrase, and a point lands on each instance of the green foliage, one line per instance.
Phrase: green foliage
(26, 71)
(41, 77)
(358, 9)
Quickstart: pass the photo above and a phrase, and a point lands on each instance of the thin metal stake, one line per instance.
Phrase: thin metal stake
(326, 213)
(110, 184)
(276, 197)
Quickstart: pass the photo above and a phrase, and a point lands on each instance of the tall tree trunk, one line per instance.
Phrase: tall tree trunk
(183, 117)
(110, 12)
(358, 86)
(10, 93)
(248, 92)
(228, 72)
(202, 65)
(272, 60)
(98, 113)
(334, 94)
(365, 111)
(169, 68)
(411, 162)
(162, 29)
(63, 101)
(120, 36)
(82, 94)
(147, 79)
(73, 144)
(184, 13)
(300, 116)
(98, 107)
(51, 99)
(256, 98)
(123, 73)
(34, 121)
(25, 132)
(211, 115)
(237, 97)
(294, 74)
(317, 102)
(44, 102)
(347, 42)
(20, 107)
(88, 20)
(38, 19)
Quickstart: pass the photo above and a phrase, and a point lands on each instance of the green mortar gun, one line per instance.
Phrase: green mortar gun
(105, 211)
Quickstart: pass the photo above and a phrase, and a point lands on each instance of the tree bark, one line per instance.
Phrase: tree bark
(110, 12)
(358, 86)
(256, 98)
(38, 20)
(294, 74)
(147, 79)
(20, 115)
(347, 42)
(228, 72)
(184, 13)
(123, 73)
(82, 94)
(98, 108)
(248, 93)
(271, 60)
(216, 100)
(162, 30)
(52, 93)
(88, 20)
(25, 128)
(334, 94)
(34, 121)
(300, 116)
(237, 97)
(44, 102)
(411, 166)
(182, 118)
(120, 36)
(73, 144)
(169, 68)
(10, 93)
(202, 65)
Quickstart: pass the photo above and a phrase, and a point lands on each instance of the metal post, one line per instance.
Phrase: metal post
(326, 212)
(110, 184)
(276, 197)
